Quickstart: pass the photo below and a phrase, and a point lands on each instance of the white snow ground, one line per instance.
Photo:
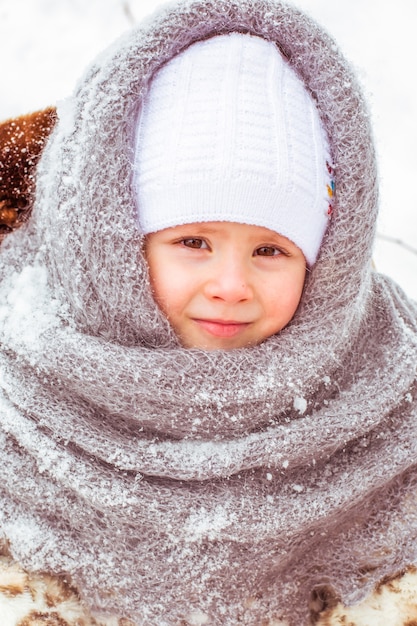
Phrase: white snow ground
(46, 44)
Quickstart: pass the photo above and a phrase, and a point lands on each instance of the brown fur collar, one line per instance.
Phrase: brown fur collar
(43, 600)
(21, 142)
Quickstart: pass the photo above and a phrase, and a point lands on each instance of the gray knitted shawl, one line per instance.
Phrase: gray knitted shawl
(177, 485)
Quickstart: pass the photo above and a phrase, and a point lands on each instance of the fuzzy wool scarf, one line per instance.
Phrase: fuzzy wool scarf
(178, 486)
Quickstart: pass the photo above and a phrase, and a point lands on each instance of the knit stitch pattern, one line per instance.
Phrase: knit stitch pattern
(171, 482)
(228, 132)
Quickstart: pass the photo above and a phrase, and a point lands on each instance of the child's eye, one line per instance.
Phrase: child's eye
(267, 251)
(194, 242)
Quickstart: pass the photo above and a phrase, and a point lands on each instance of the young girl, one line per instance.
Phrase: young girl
(208, 396)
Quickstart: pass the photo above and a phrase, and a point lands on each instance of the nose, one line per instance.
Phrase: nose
(229, 281)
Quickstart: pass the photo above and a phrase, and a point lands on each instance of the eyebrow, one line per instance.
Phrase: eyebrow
(201, 227)
(205, 228)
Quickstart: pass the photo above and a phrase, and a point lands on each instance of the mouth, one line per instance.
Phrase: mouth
(222, 328)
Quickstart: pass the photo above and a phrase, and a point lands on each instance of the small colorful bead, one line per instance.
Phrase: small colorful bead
(331, 188)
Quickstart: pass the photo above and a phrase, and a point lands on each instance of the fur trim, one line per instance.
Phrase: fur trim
(21, 142)
(393, 602)
(43, 600)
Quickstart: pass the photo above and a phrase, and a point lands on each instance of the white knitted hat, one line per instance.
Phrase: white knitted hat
(228, 132)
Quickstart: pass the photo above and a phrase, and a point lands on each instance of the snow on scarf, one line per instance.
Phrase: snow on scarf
(172, 483)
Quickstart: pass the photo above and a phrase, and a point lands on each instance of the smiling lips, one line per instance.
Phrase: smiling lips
(222, 328)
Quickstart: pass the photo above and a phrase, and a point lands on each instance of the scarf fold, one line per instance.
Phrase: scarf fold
(171, 482)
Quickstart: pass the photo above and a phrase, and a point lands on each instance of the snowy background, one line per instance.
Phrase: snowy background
(45, 46)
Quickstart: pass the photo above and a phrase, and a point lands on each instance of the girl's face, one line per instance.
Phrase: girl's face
(224, 285)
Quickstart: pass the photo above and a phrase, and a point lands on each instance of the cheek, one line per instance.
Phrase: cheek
(288, 292)
(293, 302)
(168, 288)
(162, 288)
(157, 277)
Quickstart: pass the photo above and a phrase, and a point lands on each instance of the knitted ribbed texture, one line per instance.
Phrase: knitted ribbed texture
(173, 483)
(228, 132)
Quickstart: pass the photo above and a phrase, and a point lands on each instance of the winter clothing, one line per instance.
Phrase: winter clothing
(21, 141)
(228, 132)
(42, 600)
(183, 486)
